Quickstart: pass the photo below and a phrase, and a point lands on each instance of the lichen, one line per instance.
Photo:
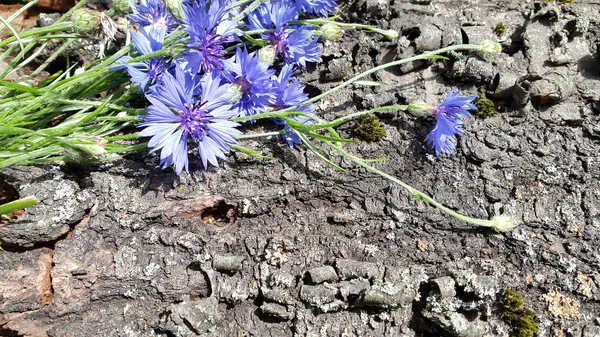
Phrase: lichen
(369, 128)
(521, 320)
(500, 29)
(562, 306)
(485, 107)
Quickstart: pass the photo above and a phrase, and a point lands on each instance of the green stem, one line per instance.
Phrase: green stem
(38, 31)
(122, 137)
(259, 135)
(48, 151)
(388, 65)
(346, 118)
(110, 106)
(418, 194)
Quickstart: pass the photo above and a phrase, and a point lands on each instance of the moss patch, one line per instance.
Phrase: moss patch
(499, 29)
(369, 128)
(521, 320)
(485, 107)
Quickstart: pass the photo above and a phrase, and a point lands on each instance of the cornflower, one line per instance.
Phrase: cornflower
(252, 80)
(152, 13)
(296, 46)
(448, 122)
(176, 115)
(209, 26)
(319, 7)
(146, 41)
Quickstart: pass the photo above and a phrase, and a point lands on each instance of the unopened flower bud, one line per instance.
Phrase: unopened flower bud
(122, 6)
(267, 54)
(331, 32)
(93, 146)
(390, 33)
(175, 8)
(236, 91)
(489, 47)
(86, 21)
(420, 109)
(503, 223)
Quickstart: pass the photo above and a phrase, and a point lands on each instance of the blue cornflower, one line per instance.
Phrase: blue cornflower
(298, 46)
(209, 26)
(175, 115)
(448, 122)
(146, 41)
(287, 95)
(252, 80)
(152, 13)
(320, 7)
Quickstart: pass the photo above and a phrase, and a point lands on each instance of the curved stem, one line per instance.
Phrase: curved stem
(388, 65)
(262, 134)
(418, 194)
(57, 27)
(346, 118)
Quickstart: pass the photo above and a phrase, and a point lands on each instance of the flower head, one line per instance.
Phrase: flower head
(503, 223)
(152, 13)
(146, 41)
(176, 115)
(297, 46)
(448, 122)
(489, 47)
(320, 7)
(252, 78)
(331, 32)
(209, 26)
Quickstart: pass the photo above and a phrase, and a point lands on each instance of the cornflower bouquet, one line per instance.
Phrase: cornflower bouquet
(205, 68)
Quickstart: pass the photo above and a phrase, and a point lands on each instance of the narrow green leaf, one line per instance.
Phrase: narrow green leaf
(311, 147)
(18, 204)
(250, 152)
(257, 42)
(436, 57)
(13, 31)
(332, 139)
(19, 87)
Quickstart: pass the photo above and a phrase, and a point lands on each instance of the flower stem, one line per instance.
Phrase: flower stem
(418, 194)
(57, 27)
(259, 135)
(423, 56)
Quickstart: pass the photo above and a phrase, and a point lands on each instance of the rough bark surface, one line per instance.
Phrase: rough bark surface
(292, 247)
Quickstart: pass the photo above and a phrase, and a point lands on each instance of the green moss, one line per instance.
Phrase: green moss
(521, 320)
(499, 29)
(485, 107)
(369, 128)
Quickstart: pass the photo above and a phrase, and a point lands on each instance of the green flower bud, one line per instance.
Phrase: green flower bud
(236, 90)
(503, 223)
(267, 54)
(90, 146)
(489, 47)
(122, 6)
(390, 34)
(420, 109)
(331, 32)
(174, 7)
(86, 21)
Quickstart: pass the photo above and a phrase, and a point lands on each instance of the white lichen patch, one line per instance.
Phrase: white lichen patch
(562, 306)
